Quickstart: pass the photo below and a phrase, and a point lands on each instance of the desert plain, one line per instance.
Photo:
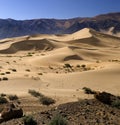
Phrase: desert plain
(59, 66)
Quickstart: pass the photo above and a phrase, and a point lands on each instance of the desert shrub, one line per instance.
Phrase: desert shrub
(58, 120)
(12, 97)
(47, 100)
(35, 93)
(83, 66)
(14, 70)
(116, 104)
(28, 70)
(8, 56)
(29, 54)
(4, 78)
(67, 65)
(2, 95)
(2, 73)
(50, 67)
(118, 97)
(28, 120)
(104, 97)
(7, 72)
(88, 90)
(40, 74)
(78, 66)
(97, 61)
(3, 100)
(8, 62)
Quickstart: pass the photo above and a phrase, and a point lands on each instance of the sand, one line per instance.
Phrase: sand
(40, 61)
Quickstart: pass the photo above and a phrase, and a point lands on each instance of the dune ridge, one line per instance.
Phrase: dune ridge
(93, 60)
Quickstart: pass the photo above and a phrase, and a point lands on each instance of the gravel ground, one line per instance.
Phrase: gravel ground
(83, 112)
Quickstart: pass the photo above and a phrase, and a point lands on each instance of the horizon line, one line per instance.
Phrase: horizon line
(9, 18)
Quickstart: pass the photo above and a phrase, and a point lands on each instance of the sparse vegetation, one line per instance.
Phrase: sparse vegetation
(12, 97)
(78, 66)
(88, 90)
(50, 67)
(8, 62)
(14, 70)
(116, 104)
(28, 70)
(97, 61)
(2, 95)
(104, 97)
(8, 56)
(40, 74)
(67, 65)
(3, 100)
(29, 120)
(58, 120)
(7, 72)
(83, 65)
(5, 78)
(29, 54)
(35, 93)
(43, 99)
(2, 73)
(47, 100)
(108, 98)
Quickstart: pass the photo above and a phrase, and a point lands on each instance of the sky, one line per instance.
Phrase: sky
(59, 9)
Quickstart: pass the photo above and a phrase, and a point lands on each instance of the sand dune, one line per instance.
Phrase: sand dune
(44, 68)
(102, 80)
(25, 45)
(57, 56)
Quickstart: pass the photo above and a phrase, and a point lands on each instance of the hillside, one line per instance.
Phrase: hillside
(103, 23)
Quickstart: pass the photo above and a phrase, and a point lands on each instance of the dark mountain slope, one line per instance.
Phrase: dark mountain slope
(13, 28)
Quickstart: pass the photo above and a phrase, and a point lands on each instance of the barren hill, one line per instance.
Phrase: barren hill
(107, 23)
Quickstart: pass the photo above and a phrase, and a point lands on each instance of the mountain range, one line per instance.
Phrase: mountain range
(105, 23)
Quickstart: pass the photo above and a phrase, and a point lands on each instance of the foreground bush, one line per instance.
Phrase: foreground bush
(12, 97)
(116, 104)
(47, 100)
(28, 120)
(43, 99)
(3, 100)
(104, 97)
(58, 120)
(2, 95)
(88, 90)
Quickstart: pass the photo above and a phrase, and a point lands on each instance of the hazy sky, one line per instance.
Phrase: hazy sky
(29, 9)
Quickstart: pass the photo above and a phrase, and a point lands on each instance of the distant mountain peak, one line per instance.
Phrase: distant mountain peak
(12, 28)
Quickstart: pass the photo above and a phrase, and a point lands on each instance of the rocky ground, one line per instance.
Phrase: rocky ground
(83, 112)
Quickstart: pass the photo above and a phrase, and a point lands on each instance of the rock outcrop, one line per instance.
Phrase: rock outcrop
(11, 111)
